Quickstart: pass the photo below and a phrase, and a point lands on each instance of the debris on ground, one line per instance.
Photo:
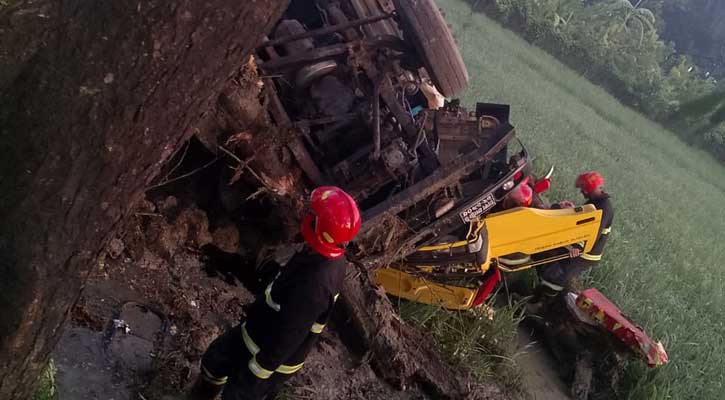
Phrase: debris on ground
(142, 325)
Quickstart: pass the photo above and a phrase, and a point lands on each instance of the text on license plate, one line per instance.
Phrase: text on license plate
(478, 208)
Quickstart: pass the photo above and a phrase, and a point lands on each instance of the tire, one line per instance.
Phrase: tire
(424, 25)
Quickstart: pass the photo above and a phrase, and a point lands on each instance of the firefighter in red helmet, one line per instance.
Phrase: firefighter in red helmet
(254, 358)
(520, 196)
(557, 277)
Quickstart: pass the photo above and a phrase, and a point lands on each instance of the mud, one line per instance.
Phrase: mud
(333, 372)
(85, 371)
(157, 287)
(540, 379)
(154, 283)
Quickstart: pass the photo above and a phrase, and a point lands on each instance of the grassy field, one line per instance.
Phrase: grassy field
(665, 260)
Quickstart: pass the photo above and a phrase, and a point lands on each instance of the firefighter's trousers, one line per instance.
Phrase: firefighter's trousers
(225, 364)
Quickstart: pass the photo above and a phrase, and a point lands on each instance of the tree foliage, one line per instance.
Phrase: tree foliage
(618, 44)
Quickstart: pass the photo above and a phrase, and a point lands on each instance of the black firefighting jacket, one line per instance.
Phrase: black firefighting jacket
(284, 322)
(605, 228)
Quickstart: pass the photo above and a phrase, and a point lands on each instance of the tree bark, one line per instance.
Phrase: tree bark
(94, 97)
(401, 354)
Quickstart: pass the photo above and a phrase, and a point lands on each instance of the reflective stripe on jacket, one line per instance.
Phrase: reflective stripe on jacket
(285, 321)
(605, 228)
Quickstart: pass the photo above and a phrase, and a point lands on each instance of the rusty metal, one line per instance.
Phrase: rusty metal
(293, 28)
(326, 120)
(386, 5)
(364, 8)
(409, 245)
(455, 138)
(275, 105)
(333, 51)
(457, 132)
(387, 93)
(305, 133)
(442, 177)
(376, 217)
(327, 30)
(297, 147)
(376, 120)
(343, 166)
(310, 73)
(394, 158)
(429, 160)
(271, 52)
(298, 60)
(333, 130)
(337, 17)
(295, 144)
(363, 187)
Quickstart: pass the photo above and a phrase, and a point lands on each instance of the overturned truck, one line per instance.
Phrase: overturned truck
(358, 88)
(355, 90)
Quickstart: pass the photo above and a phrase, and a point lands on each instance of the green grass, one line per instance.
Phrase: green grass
(664, 261)
(45, 389)
(486, 348)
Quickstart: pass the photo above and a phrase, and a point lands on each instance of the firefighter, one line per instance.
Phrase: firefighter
(520, 196)
(557, 277)
(253, 359)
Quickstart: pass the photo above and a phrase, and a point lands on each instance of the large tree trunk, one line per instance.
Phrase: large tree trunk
(94, 97)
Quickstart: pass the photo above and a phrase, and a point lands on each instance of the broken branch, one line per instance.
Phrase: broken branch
(245, 165)
(186, 175)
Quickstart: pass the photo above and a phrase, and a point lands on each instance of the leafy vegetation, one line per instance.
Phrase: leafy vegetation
(616, 44)
(46, 384)
(484, 347)
(663, 262)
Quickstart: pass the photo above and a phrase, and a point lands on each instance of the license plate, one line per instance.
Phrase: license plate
(481, 205)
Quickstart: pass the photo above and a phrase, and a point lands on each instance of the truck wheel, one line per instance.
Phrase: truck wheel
(424, 25)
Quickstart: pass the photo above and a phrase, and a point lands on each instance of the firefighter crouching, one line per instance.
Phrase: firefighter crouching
(557, 277)
(254, 358)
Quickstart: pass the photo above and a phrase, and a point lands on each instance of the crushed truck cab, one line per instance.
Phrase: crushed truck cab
(357, 89)
(461, 274)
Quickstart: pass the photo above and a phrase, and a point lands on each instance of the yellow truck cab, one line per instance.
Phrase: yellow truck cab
(456, 274)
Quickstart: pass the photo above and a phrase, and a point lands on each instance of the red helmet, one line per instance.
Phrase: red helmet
(333, 220)
(522, 195)
(589, 181)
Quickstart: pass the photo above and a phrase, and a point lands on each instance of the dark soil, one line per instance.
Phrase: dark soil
(157, 263)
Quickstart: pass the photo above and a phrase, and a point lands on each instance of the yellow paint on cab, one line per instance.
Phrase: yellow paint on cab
(519, 230)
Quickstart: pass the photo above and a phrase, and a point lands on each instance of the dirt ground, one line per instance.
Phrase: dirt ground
(539, 370)
(150, 310)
